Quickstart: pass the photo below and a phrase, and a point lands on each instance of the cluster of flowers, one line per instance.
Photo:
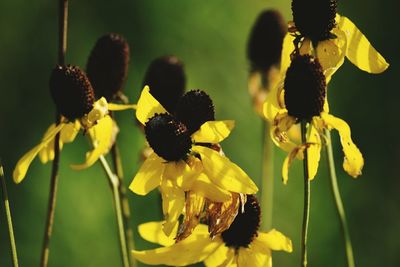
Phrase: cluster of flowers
(210, 211)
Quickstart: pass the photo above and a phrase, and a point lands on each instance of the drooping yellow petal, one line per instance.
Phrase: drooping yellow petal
(152, 232)
(47, 152)
(149, 175)
(288, 161)
(193, 249)
(353, 159)
(330, 56)
(213, 131)
(173, 201)
(23, 164)
(359, 50)
(224, 173)
(279, 131)
(67, 135)
(314, 152)
(287, 50)
(204, 187)
(118, 107)
(218, 257)
(103, 136)
(271, 105)
(250, 258)
(273, 240)
(147, 106)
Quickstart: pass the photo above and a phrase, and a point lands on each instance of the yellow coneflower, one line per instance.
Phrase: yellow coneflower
(241, 245)
(181, 160)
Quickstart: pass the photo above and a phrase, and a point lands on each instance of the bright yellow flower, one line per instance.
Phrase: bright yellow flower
(179, 162)
(333, 37)
(241, 245)
(307, 102)
(100, 127)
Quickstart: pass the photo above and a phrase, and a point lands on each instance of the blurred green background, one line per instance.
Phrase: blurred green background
(210, 37)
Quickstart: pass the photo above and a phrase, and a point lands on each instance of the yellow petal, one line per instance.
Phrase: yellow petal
(152, 232)
(147, 106)
(213, 131)
(220, 256)
(273, 240)
(287, 50)
(118, 107)
(224, 173)
(173, 201)
(288, 161)
(359, 50)
(204, 187)
(189, 251)
(23, 164)
(271, 105)
(314, 152)
(99, 111)
(250, 258)
(47, 152)
(279, 131)
(330, 56)
(102, 135)
(69, 132)
(353, 159)
(148, 176)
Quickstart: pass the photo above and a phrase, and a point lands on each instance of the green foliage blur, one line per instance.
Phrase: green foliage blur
(210, 37)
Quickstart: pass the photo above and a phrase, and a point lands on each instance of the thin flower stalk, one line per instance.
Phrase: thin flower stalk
(307, 191)
(267, 180)
(14, 254)
(338, 201)
(115, 185)
(62, 48)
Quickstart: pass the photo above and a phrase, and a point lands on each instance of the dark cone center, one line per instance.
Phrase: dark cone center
(168, 137)
(305, 88)
(314, 18)
(195, 108)
(107, 66)
(245, 226)
(167, 81)
(71, 91)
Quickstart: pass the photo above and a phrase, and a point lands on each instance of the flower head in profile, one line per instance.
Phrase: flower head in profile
(182, 159)
(73, 95)
(332, 37)
(240, 245)
(303, 98)
(264, 48)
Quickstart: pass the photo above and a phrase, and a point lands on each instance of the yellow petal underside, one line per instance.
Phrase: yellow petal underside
(67, 135)
(250, 258)
(288, 161)
(213, 131)
(359, 50)
(314, 152)
(273, 240)
(152, 232)
(193, 249)
(118, 107)
(102, 136)
(353, 159)
(173, 201)
(23, 164)
(206, 188)
(287, 50)
(149, 175)
(224, 173)
(147, 106)
(331, 53)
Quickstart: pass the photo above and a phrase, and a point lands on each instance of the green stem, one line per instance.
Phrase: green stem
(267, 179)
(62, 48)
(14, 255)
(114, 183)
(307, 191)
(130, 245)
(338, 200)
